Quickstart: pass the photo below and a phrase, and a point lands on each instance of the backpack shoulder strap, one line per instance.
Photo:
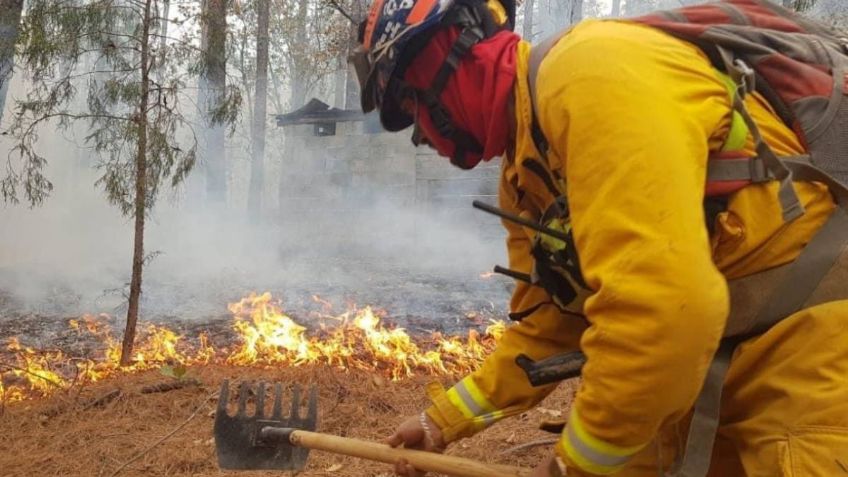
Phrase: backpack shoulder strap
(537, 55)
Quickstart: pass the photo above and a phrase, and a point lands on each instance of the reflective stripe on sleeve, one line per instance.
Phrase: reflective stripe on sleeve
(473, 404)
(590, 453)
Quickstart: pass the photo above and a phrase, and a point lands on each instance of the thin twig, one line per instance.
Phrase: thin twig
(166, 436)
(24, 370)
(102, 400)
(528, 445)
(337, 7)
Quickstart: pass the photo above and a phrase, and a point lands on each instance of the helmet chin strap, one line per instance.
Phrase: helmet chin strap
(463, 141)
(476, 23)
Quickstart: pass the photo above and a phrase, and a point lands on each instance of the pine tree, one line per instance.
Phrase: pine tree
(10, 17)
(254, 203)
(213, 84)
(104, 52)
(528, 27)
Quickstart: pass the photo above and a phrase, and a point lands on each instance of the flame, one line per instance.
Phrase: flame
(264, 336)
(487, 275)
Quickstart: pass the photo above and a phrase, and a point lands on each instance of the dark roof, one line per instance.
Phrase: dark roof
(316, 111)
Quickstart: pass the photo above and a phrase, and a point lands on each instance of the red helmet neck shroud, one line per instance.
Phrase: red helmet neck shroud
(475, 95)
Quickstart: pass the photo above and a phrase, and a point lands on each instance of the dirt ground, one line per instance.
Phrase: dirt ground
(72, 434)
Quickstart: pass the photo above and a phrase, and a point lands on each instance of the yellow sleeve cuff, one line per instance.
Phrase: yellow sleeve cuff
(461, 411)
(450, 420)
(586, 452)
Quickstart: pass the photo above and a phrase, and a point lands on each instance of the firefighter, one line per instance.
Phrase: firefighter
(609, 141)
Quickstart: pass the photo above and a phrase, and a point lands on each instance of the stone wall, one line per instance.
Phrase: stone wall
(347, 174)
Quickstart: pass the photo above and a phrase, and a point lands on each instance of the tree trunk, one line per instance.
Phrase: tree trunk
(10, 18)
(554, 15)
(215, 82)
(340, 81)
(352, 98)
(254, 201)
(576, 11)
(527, 32)
(247, 88)
(631, 8)
(277, 91)
(196, 183)
(616, 8)
(299, 88)
(140, 191)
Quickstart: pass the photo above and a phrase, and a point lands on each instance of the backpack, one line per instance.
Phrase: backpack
(801, 68)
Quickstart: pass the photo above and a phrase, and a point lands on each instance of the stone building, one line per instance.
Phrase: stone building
(341, 163)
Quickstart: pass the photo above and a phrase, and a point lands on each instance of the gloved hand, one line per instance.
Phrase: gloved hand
(416, 432)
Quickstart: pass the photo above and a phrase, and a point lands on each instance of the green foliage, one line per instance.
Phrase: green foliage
(85, 63)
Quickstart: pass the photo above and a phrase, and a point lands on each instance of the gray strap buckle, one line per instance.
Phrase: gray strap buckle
(741, 73)
(758, 170)
(744, 76)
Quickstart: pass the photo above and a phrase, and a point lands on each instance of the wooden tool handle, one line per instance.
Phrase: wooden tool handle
(421, 460)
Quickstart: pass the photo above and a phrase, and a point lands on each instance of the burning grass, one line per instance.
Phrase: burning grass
(264, 335)
(75, 432)
(87, 416)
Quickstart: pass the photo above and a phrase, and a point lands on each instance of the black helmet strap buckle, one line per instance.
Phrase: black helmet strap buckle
(469, 37)
(464, 142)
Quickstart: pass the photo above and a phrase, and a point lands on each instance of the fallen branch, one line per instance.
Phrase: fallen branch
(90, 404)
(102, 400)
(529, 445)
(169, 386)
(141, 454)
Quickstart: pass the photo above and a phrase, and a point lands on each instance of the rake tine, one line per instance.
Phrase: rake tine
(295, 408)
(240, 442)
(244, 390)
(260, 400)
(223, 397)
(278, 402)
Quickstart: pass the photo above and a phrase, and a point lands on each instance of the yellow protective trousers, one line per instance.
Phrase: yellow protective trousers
(784, 407)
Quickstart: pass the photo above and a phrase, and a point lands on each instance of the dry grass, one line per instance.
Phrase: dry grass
(66, 436)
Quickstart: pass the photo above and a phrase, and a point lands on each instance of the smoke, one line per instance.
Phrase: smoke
(72, 255)
(834, 12)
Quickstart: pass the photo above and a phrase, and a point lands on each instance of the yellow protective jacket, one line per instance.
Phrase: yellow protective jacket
(632, 115)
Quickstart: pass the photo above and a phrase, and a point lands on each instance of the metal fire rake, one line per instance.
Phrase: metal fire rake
(275, 442)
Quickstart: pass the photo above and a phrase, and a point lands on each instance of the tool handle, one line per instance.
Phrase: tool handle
(551, 370)
(421, 460)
